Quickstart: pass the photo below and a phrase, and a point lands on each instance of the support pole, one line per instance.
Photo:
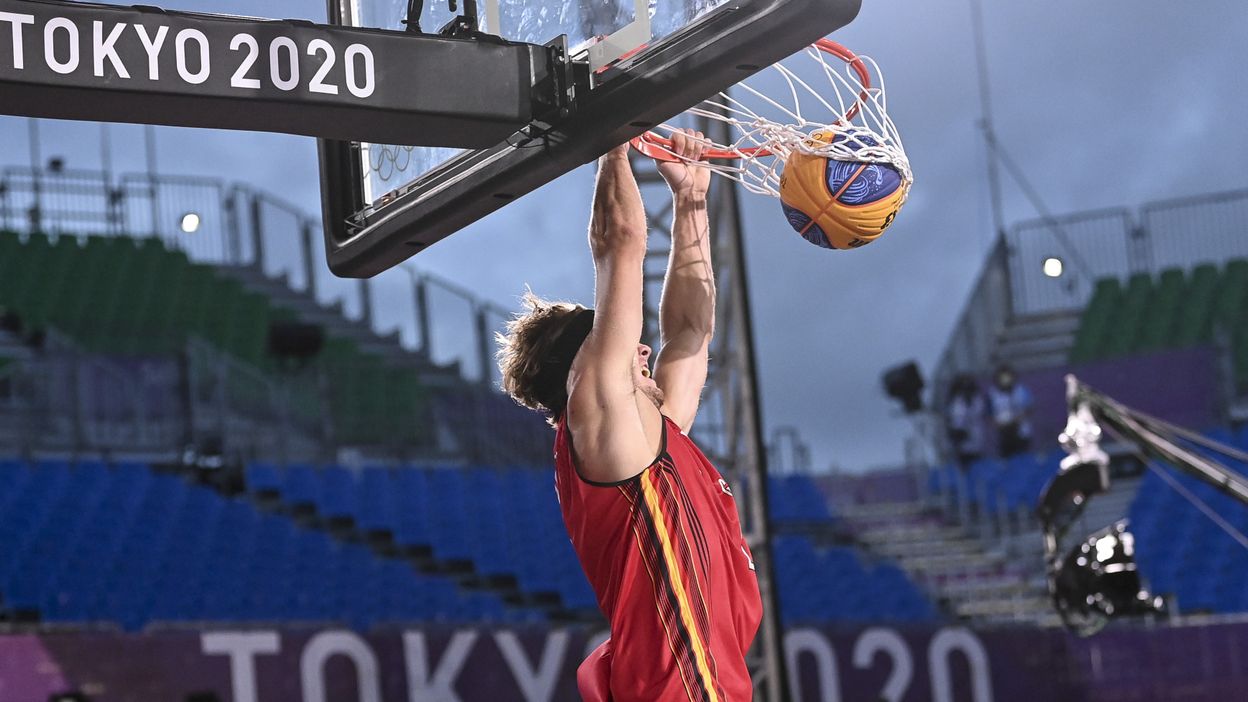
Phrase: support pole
(307, 234)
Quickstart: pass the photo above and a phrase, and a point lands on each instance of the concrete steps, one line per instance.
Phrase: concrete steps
(888, 534)
(901, 549)
(978, 580)
(1016, 609)
(1038, 341)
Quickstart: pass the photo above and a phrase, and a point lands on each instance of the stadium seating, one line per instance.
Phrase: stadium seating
(834, 584)
(1182, 552)
(506, 523)
(993, 484)
(1175, 311)
(796, 499)
(118, 295)
(121, 543)
(498, 523)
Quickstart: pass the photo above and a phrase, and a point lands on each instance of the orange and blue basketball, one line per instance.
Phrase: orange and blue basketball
(840, 204)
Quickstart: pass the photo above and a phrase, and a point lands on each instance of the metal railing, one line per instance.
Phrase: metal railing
(1181, 233)
(232, 225)
(61, 397)
(237, 225)
(1118, 243)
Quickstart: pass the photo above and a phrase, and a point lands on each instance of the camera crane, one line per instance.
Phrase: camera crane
(1097, 580)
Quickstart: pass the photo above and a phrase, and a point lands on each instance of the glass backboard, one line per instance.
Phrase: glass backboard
(603, 29)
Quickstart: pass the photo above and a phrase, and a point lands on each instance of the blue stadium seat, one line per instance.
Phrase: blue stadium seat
(374, 505)
(262, 478)
(299, 486)
(137, 547)
(335, 498)
(819, 585)
(796, 498)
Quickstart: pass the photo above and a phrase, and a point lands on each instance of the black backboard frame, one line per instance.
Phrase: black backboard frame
(720, 49)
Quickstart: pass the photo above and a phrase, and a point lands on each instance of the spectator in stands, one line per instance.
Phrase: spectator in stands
(964, 420)
(1010, 404)
(652, 521)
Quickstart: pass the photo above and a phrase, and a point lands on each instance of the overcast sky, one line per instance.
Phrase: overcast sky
(1109, 103)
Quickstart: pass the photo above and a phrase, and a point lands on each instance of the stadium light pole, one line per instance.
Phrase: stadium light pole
(985, 119)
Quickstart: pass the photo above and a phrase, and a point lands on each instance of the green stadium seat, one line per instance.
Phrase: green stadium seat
(1231, 302)
(44, 291)
(1127, 324)
(1094, 325)
(1195, 320)
(1239, 353)
(118, 295)
(11, 254)
(25, 280)
(1161, 321)
(190, 315)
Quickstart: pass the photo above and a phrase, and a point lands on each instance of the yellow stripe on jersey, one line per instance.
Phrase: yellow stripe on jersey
(673, 567)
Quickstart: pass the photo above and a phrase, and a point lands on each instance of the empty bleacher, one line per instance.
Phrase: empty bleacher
(1183, 552)
(1175, 310)
(123, 544)
(823, 574)
(493, 527)
(834, 583)
(796, 500)
(125, 297)
(128, 545)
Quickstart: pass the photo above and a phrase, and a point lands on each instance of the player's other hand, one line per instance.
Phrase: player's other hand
(683, 178)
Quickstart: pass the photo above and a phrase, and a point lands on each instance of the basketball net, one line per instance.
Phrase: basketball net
(851, 116)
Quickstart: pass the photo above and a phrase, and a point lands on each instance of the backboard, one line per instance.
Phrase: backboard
(630, 64)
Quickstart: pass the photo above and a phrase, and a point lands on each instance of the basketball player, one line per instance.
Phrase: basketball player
(653, 523)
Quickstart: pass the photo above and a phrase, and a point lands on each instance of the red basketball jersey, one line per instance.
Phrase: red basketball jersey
(665, 555)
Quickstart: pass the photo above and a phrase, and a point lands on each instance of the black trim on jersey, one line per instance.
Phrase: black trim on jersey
(668, 588)
(657, 459)
(695, 521)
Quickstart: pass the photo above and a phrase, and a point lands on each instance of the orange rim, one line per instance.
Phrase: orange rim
(658, 147)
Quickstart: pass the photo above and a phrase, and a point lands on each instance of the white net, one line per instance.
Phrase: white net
(850, 119)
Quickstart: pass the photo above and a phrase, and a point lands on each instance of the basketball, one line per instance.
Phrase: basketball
(840, 204)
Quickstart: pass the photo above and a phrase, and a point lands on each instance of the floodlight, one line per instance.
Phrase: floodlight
(190, 222)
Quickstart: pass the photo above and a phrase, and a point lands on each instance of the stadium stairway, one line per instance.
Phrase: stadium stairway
(1031, 342)
(824, 573)
(973, 580)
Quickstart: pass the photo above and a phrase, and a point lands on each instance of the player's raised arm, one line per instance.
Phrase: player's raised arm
(613, 440)
(687, 309)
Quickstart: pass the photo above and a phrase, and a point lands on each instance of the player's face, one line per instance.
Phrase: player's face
(643, 379)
